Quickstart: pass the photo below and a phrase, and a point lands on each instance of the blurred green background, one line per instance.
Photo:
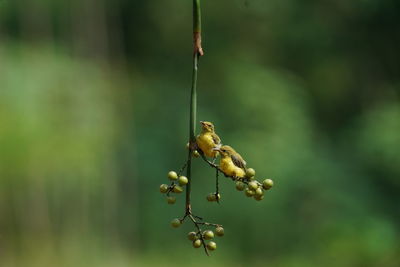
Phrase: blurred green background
(94, 112)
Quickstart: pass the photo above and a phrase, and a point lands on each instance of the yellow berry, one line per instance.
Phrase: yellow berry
(268, 183)
(211, 197)
(196, 154)
(249, 192)
(183, 180)
(212, 245)
(192, 236)
(163, 188)
(172, 175)
(171, 200)
(176, 223)
(258, 197)
(259, 192)
(208, 234)
(177, 189)
(219, 231)
(250, 172)
(253, 185)
(197, 243)
(240, 186)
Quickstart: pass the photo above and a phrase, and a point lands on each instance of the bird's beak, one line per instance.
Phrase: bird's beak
(216, 149)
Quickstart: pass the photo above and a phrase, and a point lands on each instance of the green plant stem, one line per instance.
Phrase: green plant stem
(196, 16)
(193, 98)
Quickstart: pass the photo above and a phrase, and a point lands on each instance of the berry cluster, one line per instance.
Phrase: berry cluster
(200, 238)
(252, 187)
(204, 238)
(176, 186)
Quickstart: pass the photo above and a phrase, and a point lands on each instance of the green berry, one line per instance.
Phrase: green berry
(177, 189)
(211, 197)
(250, 172)
(172, 175)
(208, 234)
(197, 243)
(171, 200)
(259, 192)
(253, 185)
(183, 180)
(219, 231)
(176, 223)
(196, 154)
(163, 188)
(240, 185)
(249, 192)
(212, 245)
(258, 197)
(192, 236)
(268, 183)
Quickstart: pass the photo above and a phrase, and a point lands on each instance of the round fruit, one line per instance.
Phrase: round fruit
(253, 185)
(212, 245)
(163, 188)
(211, 197)
(183, 180)
(250, 172)
(219, 231)
(259, 192)
(268, 183)
(177, 189)
(196, 154)
(171, 200)
(176, 223)
(258, 197)
(192, 236)
(197, 243)
(208, 234)
(240, 185)
(249, 192)
(172, 175)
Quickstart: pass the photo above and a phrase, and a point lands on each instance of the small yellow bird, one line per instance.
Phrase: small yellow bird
(231, 163)
(208, 141)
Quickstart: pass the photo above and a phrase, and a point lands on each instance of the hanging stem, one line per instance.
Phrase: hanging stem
(198, 51)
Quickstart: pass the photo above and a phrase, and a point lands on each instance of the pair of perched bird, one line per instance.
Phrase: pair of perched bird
(231, 163)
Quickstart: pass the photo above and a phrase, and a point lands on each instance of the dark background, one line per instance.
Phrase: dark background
(94, 102)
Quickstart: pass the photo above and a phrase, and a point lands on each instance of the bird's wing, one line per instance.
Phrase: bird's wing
(238, 161)
(216, 138)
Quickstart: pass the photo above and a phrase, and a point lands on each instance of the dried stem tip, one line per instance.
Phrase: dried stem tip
(197, 44)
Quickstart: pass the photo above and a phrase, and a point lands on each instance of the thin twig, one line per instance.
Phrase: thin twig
(200, 235)
(183, 168)
(217, 195)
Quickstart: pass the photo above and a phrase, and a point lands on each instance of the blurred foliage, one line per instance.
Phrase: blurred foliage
(94, 113)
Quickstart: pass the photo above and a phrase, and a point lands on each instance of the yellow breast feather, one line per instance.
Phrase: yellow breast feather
(206, 144)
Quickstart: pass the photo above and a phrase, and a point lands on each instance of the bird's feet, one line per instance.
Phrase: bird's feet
(193, 146)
